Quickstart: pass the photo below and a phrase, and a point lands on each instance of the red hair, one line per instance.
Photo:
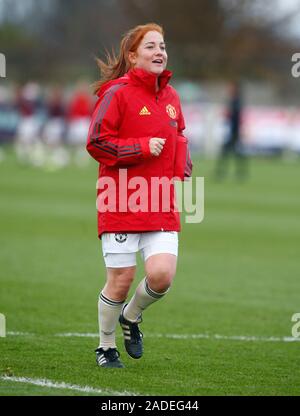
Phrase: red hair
(117, 66)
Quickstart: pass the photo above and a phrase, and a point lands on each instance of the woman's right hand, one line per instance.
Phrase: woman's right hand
(156, 145)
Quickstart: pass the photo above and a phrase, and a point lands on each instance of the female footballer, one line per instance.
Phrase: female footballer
(136, 136)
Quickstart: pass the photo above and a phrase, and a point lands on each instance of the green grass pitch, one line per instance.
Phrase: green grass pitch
(238, 275)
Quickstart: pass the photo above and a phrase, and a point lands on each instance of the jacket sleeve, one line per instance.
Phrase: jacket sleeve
(183, 161)
(104, 143)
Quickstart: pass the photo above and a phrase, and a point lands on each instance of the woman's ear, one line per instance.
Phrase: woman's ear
(132, 58)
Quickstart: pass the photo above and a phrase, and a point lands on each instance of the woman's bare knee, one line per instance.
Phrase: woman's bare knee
(118, 282)
(160, 270)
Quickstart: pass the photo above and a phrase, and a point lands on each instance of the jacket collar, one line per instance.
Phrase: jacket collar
(139, 76)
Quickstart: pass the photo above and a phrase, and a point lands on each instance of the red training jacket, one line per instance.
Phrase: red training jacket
(128, 113)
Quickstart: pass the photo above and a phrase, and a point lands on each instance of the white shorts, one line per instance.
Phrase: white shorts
(119, 249)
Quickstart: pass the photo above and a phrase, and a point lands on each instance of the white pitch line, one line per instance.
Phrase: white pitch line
(78, 334)
(52, 384)
(232, 337)
(193, 336)
(246, 338)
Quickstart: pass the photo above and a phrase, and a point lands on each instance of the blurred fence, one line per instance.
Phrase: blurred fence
(264, 130)
(59, 117)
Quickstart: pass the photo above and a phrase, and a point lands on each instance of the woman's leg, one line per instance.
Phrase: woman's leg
(110, 303)
(160, 271)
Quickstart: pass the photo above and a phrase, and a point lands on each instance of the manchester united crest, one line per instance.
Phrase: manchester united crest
(171, 111)
(121, 238)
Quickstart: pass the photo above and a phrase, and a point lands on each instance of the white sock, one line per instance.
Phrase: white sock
(143, 297)
(108, 314)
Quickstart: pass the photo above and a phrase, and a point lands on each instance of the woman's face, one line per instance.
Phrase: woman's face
(151, 53)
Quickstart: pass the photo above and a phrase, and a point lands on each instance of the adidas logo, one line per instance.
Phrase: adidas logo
(144, 111)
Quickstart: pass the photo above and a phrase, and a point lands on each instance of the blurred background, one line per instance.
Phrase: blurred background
(238, 270)
(51, 45)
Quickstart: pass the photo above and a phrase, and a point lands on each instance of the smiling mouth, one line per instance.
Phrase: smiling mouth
(158, 61)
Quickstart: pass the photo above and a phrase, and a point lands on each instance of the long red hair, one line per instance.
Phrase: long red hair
(117, 66)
